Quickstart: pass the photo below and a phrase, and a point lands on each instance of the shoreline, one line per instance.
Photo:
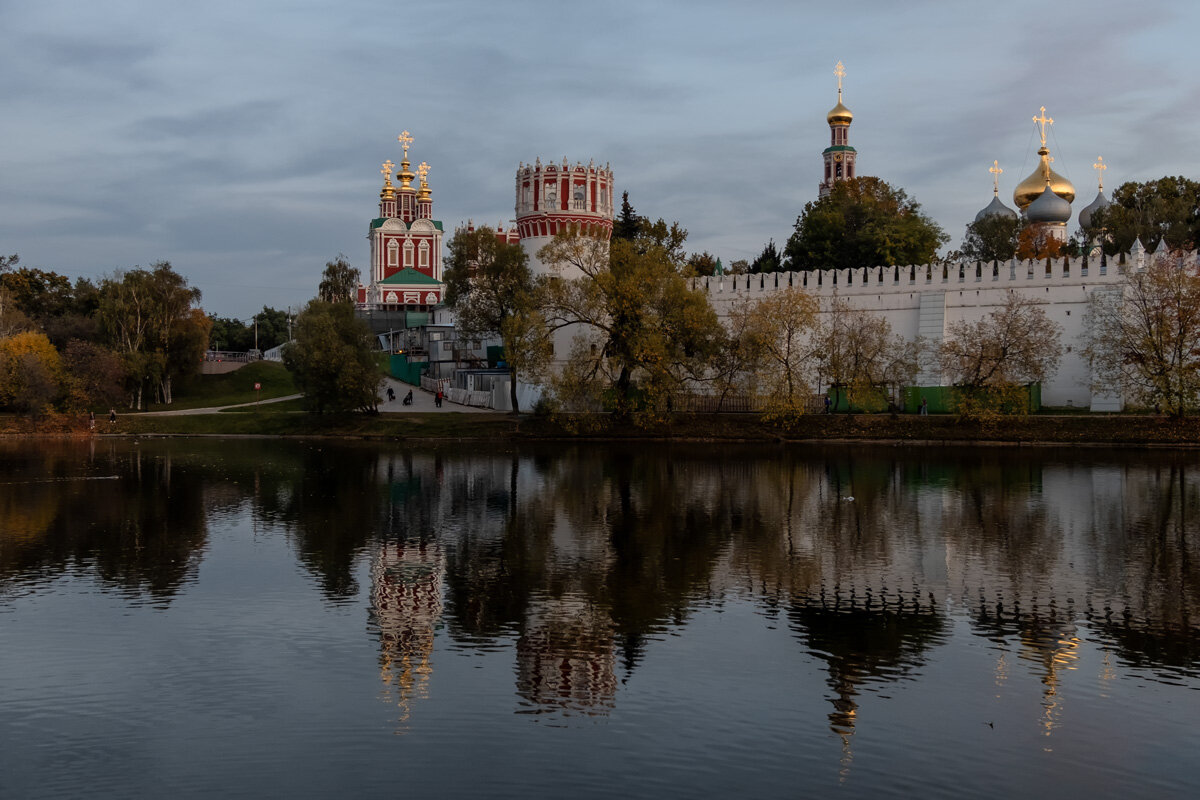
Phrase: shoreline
(837, 429)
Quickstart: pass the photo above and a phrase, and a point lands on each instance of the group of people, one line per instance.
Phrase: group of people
(408, 398)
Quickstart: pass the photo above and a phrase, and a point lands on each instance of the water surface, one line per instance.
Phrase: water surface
(243, 618)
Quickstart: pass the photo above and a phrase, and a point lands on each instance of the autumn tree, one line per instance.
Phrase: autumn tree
(1144, 336)
(95, 375)
(863, 222)
(643, 331)
(989, 361)
(703, 264)
(992, 238)
(1167, 208)
(332, 359)
(858, 352)
(1036, 241)
(339, 281)
(492, 291)
(781, 335)
(31, 373)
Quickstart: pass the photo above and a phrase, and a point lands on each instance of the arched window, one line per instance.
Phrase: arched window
(408, 255)
(393, 254)
(580, 202)
(424, 257)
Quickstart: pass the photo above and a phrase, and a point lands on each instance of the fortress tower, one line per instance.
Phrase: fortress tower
(552, 198)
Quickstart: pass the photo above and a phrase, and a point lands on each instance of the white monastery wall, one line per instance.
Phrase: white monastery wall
(925, 300)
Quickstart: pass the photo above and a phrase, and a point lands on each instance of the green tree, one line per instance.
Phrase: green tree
(1144, 338)
(990, 360)
(628, 223)
(491, 289)
(993, 238)
(702, 264)
(769, 260)
(272, 327)
(230, 334)
(863, 222)
(148, 318)
(38, 293)
(644, 331)
(339, 281)
(332, 359)
(1165, 208)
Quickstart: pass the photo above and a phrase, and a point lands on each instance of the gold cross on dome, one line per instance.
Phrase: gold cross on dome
(405, 139)
(423, 170)
(840, 71)
(386, 172)
(995, 170)
(1042, 121)
(1100, 166)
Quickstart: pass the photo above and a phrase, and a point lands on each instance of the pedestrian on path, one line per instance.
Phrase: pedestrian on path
(112, 416)
(437, 400)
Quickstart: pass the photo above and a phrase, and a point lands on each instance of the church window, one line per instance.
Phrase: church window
(408, 255)
(424, 258)
(393, 253)
(580, 203)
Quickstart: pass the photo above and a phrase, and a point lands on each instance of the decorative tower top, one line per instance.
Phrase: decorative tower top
(423, 171)
(995, 208)
(1032, 187)
(1100, 166)
(1101, 202)
(839, 156)
(406, 174)
(388, 190)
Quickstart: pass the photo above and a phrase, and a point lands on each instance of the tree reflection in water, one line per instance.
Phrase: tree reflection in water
(579, 558)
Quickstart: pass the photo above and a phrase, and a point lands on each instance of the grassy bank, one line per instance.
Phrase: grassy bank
(450, 425)
(230, 388)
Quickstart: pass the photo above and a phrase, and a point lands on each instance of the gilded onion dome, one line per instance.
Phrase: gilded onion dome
(839, 114)
(1032, 187)
(1049, 206)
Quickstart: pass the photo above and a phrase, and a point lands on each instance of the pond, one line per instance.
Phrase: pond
(248, 618)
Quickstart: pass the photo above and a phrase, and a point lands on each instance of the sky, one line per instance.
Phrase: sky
(241, 141)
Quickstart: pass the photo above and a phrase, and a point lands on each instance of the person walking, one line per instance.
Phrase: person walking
(924, 407)
(828, 403)
(91, 420)
(437, 400)
(112, 416)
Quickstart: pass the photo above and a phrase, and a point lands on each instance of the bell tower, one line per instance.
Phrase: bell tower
(839, 156)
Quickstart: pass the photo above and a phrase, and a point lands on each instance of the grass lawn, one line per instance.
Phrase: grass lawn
(230, 388)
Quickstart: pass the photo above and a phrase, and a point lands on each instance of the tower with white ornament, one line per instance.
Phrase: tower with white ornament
(555, 198)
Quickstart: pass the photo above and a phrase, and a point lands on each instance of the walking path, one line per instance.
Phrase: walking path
(423, 401)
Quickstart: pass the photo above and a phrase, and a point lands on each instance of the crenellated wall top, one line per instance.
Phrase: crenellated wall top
(937, 276)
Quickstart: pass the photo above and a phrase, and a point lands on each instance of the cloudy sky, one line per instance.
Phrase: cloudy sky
(241, 140)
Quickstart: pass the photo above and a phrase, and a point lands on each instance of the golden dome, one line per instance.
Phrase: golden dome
(839, 115)
(1032, 187)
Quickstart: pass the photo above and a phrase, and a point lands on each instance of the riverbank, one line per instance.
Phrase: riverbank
(1078, 429)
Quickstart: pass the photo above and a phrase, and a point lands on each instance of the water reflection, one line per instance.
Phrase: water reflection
(578, 559)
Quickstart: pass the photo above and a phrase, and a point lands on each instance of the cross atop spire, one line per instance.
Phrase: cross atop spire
(405, 139)
(422, 170)
(1100, 166)
(386, 172)
(1042, 121)
(995, 170)
(840, 71)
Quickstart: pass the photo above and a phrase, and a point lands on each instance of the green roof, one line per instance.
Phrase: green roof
(845, 148)
(410, 277)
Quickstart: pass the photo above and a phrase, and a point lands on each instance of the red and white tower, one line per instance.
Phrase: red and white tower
(553, 198)
(839, 156)
(406, 243)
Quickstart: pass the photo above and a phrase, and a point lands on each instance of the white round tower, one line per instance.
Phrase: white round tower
(552, 198)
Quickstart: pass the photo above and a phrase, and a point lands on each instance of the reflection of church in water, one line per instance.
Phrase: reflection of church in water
(565, 657)
(406, 604)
